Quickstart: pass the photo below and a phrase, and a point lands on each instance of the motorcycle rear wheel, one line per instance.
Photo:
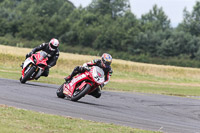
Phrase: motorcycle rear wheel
(81, 94)
(59, 91)
(27, 75)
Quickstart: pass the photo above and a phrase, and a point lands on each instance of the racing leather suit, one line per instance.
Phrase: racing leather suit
(52, 56)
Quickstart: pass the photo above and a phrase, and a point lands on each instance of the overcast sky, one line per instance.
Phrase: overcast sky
(172, 8)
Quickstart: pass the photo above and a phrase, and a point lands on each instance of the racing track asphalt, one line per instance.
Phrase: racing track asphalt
(169, 114)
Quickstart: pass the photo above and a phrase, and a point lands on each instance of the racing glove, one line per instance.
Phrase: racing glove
(29, 54)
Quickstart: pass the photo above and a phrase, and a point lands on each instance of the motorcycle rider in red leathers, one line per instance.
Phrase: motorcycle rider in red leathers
(51, 48)
(104, 63)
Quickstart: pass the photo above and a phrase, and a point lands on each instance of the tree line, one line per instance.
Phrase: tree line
(103, 26)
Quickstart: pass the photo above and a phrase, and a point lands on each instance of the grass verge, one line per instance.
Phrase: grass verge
(13, 120)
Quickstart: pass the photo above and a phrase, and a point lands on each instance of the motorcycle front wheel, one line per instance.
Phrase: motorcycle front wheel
(27, 75)
(78, 94)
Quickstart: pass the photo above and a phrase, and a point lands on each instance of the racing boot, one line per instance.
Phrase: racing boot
(37, 78)
(74, 72)
(68, 78)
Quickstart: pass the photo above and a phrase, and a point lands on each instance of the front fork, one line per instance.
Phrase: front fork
(28, 68)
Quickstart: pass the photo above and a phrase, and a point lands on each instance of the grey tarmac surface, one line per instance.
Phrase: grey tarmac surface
(168, 114)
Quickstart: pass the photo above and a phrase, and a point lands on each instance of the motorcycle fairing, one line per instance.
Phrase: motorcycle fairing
(69, 88)
(39, 71)
(27, 62)
(95, 75)
(66, 90)
(39, 60)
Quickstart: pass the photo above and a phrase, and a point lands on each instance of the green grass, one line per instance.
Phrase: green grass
(175, 90)
(14, 120)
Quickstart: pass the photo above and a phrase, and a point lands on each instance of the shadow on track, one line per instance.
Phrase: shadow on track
(94, 104)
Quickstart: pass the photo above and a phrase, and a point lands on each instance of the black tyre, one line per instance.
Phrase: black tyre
(59, 91)
(27, 75)
(79, 94)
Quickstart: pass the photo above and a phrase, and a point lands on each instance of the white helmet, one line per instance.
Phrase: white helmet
(53, 44)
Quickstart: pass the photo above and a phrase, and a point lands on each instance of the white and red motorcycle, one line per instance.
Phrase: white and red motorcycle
(34, 66)
(82, 84)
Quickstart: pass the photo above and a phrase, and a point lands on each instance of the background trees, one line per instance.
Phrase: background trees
(103, 26)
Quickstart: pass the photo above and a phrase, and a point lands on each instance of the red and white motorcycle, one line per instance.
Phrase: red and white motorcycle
(34, 66)
(82, 84)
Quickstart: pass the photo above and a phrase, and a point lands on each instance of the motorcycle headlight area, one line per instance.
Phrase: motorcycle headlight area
(98, 75)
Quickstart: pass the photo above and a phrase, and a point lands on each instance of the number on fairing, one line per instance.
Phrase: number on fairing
(97, 78)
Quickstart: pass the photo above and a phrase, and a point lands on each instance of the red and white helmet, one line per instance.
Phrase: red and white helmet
(53, 44)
